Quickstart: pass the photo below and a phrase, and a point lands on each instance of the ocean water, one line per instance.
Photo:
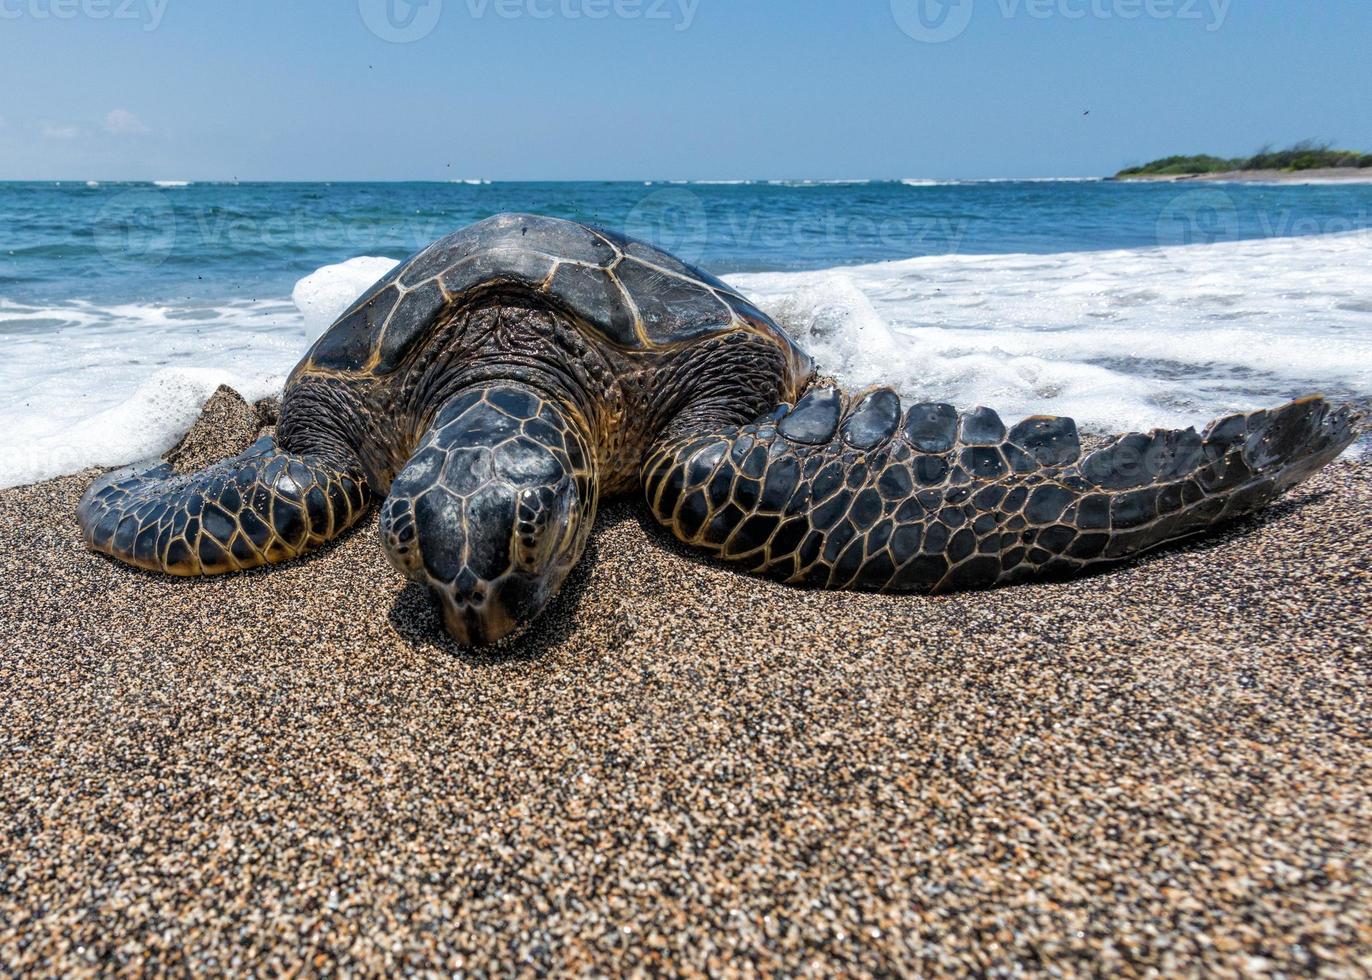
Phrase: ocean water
(122, 306)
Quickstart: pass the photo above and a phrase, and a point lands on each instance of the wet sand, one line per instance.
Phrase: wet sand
(1164, 767)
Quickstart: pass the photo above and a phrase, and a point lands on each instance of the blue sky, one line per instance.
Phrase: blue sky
(608, 89)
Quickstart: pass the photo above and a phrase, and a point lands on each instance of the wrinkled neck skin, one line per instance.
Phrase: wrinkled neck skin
(624, 400)
(498, 340)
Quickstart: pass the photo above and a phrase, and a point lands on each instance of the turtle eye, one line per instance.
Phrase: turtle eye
(541, 515)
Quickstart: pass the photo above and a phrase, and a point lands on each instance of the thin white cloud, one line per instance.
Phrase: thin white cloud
(121, 122)
(55, 131)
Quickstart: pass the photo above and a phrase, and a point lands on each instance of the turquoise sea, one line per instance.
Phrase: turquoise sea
(144, 243)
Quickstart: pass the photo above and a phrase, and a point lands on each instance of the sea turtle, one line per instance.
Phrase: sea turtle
(494, 387)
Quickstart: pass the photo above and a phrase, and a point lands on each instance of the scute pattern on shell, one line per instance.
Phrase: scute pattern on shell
(628, 292)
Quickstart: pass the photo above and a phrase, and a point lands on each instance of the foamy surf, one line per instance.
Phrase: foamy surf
(89, 386)
(325, 293)
(1119, 340)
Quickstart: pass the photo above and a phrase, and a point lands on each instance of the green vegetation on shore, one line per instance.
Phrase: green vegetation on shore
(1306, 155)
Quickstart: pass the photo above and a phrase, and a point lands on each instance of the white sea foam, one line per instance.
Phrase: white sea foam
(847, 182)
(83, 385)
(171, 183)
(959, 181)
(325, 293)
(1120, 340)
(1034, 180)
(88, 386)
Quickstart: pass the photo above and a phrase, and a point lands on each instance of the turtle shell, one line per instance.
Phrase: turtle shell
(626, 292)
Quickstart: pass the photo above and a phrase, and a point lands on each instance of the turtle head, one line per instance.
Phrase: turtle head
(493, 510)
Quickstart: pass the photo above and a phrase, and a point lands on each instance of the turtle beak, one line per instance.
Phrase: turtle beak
(471, 626)
(480, 615)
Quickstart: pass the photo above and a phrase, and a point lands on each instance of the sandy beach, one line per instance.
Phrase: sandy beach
(1165, 767)
(1328, 175)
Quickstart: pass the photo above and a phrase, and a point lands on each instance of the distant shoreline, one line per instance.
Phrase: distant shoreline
(1325, 175)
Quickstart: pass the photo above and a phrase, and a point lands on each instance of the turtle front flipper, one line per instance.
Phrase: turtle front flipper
(262, 507)
(858, 494)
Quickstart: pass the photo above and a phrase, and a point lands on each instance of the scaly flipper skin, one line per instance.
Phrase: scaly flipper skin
(927, 500)
(262, 507)
(494, 509)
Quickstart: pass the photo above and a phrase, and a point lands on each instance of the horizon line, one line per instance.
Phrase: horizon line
(484, 181)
